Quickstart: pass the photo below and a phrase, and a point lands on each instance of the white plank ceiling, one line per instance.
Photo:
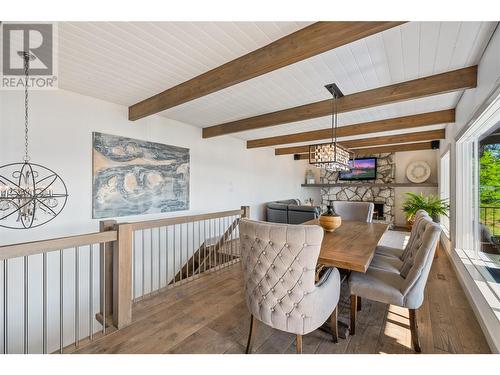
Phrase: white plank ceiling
(125, 62)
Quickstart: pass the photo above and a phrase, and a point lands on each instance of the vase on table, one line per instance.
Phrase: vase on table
(329, 219)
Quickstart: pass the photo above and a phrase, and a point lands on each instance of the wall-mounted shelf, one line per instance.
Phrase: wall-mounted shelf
(396, 184)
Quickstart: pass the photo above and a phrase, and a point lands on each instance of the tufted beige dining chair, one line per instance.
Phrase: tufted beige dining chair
(396, 282)
(279, 262)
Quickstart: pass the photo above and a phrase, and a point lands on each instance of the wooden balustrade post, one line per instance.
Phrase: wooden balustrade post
(106, 273)
(122, 276)
(245, 212)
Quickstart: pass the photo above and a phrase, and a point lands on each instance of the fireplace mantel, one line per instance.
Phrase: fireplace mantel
(368, 184)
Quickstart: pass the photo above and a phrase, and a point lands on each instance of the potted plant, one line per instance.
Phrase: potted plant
(434, 206)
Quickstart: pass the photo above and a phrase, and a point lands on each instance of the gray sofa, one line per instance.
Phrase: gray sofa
(290, 211)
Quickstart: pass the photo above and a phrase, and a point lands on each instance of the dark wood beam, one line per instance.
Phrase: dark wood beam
(374, 141)
(418, 88)
(381, 150)
(405, 122)
(302, 44)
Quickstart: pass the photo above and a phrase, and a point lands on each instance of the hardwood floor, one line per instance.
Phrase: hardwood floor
(209, 315)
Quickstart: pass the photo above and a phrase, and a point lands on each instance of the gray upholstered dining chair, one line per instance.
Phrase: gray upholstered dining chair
(279, 263)
(398, 253)
(402, 283)
(358, 211)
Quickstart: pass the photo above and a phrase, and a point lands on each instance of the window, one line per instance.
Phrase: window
(478, 201)
(489, 195)
(444, 188)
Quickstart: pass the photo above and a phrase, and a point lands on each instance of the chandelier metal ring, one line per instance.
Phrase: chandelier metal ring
(30, 194)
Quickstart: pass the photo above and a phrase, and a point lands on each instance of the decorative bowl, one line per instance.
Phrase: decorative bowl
(329, 220)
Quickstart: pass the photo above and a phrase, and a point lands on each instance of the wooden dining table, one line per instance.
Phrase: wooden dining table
(351, 246)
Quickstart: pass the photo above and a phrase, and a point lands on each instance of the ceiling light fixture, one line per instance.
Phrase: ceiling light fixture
(30, 194)
(331, 156)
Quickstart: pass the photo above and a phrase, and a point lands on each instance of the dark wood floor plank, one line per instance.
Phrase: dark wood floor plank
(468, 330)
(277, 343)
(311, 342)
(425, 327)
(203, 341)
(444, 332)
(369, 328)
(235, 349)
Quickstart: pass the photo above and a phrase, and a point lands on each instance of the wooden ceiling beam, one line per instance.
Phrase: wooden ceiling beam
(418, 88)
(374, 141)
(381, 150)
(302, 44)
(405, 122)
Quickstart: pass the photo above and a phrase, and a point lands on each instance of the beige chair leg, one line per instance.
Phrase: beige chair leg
(414, 330)
(298, 344)
(354, 310)
(359, 303)
(251, 334)
(334, 325)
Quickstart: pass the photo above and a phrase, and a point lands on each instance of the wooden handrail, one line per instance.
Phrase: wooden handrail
(39, 247)
(183, 219)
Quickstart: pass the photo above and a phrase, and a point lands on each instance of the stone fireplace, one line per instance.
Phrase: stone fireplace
(378, 211)
(365, 191)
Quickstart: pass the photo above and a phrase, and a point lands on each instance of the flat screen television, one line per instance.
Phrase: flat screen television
(361, 169)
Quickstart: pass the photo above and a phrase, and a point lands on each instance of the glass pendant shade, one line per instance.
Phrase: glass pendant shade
(330, 156)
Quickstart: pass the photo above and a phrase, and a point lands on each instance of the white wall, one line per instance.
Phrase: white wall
(402, 159)
(224, 174)
(488, 80)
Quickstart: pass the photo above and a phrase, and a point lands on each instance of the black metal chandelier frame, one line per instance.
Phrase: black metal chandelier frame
(331, 155)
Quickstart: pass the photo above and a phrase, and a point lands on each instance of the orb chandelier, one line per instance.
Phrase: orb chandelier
(30, 194)
(331, 156)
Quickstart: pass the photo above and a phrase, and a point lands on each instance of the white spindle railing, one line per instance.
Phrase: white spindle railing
(61, 293)
(50, 293)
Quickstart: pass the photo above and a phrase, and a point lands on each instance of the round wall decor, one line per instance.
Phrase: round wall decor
(418, 171)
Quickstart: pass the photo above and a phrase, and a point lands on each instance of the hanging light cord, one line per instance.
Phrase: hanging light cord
(334, 124)
(26, 58)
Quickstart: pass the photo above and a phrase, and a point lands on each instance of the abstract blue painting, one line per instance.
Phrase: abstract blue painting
(134, 177)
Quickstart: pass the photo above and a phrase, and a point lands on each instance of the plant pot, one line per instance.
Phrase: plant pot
(329, 220)
(410, 222)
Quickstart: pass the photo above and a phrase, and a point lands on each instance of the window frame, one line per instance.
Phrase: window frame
(444, 187)
(466, 238)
